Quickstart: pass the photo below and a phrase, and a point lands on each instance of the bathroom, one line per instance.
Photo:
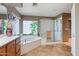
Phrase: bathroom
(29, 32)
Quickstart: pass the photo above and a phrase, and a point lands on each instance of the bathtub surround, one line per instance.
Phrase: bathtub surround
(29, 42)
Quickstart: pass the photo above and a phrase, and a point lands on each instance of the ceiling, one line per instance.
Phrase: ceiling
(44, 9)
(13, 4)
(3, 9)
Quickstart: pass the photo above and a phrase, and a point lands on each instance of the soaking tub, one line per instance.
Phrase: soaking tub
(29, 42)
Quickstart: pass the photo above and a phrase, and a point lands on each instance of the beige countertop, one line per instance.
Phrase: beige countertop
(5, 39)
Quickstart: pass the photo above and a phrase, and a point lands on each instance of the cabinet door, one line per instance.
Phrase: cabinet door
(3, 51)
(18, 47)
(11, 49)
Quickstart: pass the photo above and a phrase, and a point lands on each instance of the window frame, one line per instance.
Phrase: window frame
(30, 33)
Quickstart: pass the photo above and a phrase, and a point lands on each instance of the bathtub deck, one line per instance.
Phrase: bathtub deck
(50, 50)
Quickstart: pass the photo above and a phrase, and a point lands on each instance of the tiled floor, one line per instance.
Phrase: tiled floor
(50, 50)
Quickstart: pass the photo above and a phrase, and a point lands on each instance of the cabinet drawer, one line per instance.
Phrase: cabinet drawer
(3, 51)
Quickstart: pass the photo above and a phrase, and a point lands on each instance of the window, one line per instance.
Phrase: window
(30, 27)
(4, 26)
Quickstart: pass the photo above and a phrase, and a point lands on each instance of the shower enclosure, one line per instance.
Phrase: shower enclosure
(58, 29)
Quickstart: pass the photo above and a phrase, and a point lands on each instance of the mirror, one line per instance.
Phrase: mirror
(3, 17)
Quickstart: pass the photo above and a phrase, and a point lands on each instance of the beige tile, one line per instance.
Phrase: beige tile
(50, 50)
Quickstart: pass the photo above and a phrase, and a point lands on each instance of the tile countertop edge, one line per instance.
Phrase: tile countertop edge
(5, 40)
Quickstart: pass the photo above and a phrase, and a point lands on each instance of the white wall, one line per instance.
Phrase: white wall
(73, 33)
(45, 25)
(75, 30)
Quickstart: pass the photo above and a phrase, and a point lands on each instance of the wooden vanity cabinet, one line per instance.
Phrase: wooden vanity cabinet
(11, 49)
(18, 47)
(3, 51)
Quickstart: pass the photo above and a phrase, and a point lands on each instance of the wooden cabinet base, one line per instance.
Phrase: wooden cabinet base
(3, 51)
(11, 49)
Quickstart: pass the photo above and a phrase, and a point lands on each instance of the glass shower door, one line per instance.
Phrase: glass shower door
(58, 30)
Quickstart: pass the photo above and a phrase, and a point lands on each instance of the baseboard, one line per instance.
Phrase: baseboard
(50, 43)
